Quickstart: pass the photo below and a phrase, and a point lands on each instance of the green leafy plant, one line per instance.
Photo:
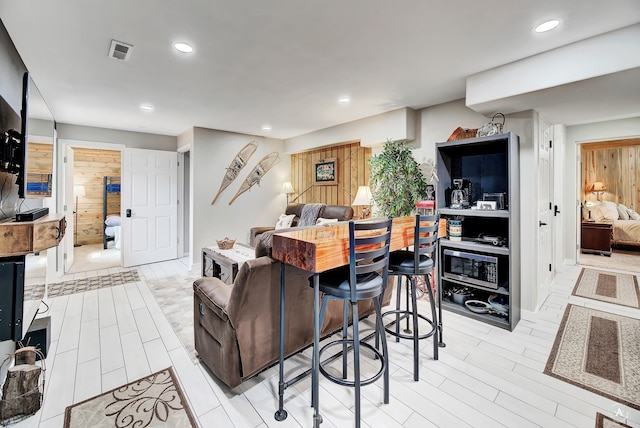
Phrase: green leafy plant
(397, 181)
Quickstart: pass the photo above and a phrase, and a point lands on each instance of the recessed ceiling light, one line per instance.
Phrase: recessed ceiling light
(266, 127)
(183, 47)
(546, 26)
(146, 107)
(344, 100)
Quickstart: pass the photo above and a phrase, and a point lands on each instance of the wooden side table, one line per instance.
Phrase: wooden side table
(595, 237)
(224, 264)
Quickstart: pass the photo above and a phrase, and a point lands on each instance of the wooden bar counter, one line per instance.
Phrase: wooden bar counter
(322, 248)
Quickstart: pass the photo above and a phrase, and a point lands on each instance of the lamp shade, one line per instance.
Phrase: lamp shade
(363, 197)
(78, 190)
(598, 186)
(287, 187)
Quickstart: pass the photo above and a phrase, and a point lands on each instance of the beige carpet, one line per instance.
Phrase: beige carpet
(603, 421)
(598, 351)
(611, 287)
(153, 401)
(624, 260)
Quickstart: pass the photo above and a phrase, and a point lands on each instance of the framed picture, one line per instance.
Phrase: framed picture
(326, 171)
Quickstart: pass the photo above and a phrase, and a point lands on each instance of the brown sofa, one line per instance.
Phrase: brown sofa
(237, 326)
(340, 212)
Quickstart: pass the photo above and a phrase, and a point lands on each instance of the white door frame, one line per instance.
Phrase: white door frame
(67, 195)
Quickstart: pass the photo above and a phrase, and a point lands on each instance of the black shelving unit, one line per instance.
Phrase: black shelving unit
(490, 165)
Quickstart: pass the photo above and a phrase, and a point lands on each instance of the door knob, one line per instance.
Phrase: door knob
(541, 223)
(128, 213)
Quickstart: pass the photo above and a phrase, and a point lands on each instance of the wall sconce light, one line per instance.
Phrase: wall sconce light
(287, 188)
(78, 191)
(363, 199)
(597, 189)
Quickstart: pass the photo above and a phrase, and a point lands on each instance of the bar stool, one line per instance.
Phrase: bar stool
(364, 278)
(410, 264)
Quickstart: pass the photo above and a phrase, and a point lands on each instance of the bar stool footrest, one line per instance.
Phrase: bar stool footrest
(404, 314)
(377, 356)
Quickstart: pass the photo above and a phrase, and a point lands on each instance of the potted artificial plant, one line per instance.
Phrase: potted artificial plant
(397, 181)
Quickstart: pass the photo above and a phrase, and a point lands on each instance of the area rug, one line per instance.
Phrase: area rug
(175, 296)
(598, 351)
(612, 287)
(153, 401)
(36, 292)
(603, 421)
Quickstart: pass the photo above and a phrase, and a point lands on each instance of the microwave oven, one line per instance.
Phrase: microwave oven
(476, 269)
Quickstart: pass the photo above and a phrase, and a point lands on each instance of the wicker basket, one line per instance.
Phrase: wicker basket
(226, 243)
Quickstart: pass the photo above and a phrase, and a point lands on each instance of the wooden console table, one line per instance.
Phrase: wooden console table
(20, 238)
(17, 239)
(224, 264)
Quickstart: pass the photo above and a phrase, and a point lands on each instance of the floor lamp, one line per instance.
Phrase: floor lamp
(78, 191)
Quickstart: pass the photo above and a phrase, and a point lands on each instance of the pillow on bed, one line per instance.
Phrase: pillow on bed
(609, 210)
(623, 212)
(633, 215)
(112, 220)
(284, 221)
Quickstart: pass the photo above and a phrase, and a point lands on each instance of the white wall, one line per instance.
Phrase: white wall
(600, 131)
(211, 154)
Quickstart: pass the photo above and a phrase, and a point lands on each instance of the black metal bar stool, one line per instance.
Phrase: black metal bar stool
(364, 278)
(411, 264)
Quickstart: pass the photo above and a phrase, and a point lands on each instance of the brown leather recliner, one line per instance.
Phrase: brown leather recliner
(340, 212)
(237, 326)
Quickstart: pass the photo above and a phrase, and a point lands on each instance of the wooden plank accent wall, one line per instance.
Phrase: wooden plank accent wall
(353, 171)
(89, 168)
(617, 165)
(40, 158)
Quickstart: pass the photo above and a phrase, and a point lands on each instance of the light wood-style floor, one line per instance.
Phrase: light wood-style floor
(486, 376)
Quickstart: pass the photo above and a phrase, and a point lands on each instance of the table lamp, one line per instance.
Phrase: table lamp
(597, 189)
(363, 199)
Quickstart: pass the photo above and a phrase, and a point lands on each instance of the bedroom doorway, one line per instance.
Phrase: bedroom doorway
(92, 176)
(609, 173)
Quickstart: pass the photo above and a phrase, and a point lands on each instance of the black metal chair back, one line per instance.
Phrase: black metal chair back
(425, 240)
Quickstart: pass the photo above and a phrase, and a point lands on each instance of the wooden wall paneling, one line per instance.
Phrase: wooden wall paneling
(353, 171)
(90, 166)
(39, 157)
(617, 164)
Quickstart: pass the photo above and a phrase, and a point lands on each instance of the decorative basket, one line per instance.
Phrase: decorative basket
(226, 243)
(462, 133)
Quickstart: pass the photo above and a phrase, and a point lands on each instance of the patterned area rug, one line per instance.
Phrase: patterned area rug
(153, 401)
(603, 421)
(598, 351)
(611, 287)
(36, 292)
(175, 297)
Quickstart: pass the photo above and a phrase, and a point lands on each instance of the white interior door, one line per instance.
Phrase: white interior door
(70, 212)
(545, 213)
(149, 205)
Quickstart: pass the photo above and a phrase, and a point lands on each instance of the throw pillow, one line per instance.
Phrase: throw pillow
(284, 221)
(623, 212)
(609, 210)
(325, 221)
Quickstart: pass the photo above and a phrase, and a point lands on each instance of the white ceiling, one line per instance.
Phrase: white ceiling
(285, 62)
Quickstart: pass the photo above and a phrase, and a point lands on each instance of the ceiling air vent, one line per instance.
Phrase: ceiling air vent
(119, 50)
